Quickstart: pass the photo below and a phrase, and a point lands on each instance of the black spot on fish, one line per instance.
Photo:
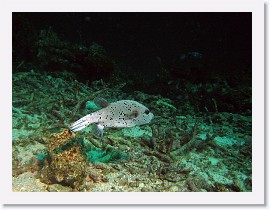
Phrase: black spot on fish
(146, 111)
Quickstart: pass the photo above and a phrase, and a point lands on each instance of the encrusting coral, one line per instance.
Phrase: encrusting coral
(59, 139)
(64, 165)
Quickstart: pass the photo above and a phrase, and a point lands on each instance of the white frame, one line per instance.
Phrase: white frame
(254, 197)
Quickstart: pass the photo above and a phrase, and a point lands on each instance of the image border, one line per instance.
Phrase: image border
(257, 196)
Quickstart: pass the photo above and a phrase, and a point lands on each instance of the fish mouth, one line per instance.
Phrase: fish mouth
(151, 115)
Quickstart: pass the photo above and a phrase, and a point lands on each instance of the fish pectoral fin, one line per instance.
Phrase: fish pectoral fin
(100, 130)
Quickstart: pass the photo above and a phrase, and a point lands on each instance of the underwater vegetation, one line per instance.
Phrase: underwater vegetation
(200, 139)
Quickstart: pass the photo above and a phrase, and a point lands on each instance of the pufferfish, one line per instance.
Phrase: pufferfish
(119, 114)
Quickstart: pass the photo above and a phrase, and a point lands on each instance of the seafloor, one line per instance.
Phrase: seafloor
(174, 153)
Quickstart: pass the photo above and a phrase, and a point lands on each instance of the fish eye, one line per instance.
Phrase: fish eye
(146, 111)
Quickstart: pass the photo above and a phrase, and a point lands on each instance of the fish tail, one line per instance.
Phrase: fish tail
(81, 123)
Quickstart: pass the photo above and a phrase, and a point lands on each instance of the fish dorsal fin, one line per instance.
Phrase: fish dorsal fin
(102, 102)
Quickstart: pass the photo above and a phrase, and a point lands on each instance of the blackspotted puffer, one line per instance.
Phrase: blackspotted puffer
(121, 114)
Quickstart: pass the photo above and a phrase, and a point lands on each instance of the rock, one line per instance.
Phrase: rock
(173, 189)
(59, 188)
(94, 174)
(27, 182)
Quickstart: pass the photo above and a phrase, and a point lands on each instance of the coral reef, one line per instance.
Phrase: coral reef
(67, 168)
(191, 152)
(59, 139)
(200, 139)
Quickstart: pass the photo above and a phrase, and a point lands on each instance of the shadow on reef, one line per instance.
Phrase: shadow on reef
(51, 53)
